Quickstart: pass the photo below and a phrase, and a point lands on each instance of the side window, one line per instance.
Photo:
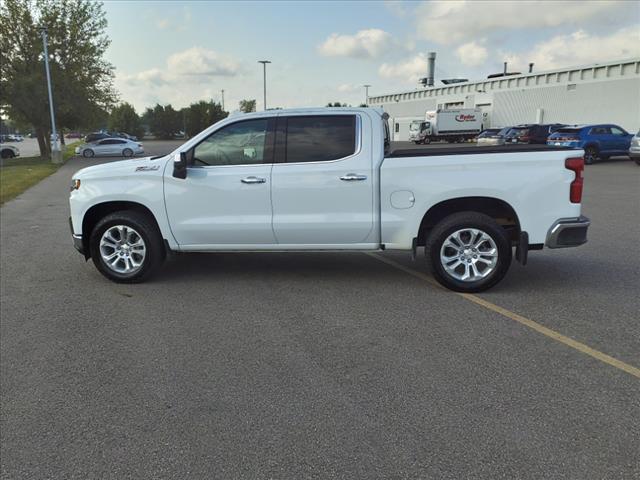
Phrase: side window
(240, 143)
(320, 138)
(616, 131)
(599, 131)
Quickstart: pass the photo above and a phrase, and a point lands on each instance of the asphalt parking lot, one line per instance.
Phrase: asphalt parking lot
(310, 365)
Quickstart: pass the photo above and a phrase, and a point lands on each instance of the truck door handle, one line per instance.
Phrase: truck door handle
(253, 179)
(352, 177)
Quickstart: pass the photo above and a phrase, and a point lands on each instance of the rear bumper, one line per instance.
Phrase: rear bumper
(568, 232)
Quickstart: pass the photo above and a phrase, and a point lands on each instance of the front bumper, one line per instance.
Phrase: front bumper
(568, 232)
(634, 152)
(78, 244)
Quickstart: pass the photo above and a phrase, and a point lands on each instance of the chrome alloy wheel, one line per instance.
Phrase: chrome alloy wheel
(122, 249)
(469, 255)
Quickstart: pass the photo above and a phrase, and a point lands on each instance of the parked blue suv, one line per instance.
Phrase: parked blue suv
(597, 141)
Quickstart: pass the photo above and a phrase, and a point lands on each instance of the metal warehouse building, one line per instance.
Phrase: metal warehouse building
(598, 93)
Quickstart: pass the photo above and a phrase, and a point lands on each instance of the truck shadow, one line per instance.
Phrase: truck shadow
(545, 274)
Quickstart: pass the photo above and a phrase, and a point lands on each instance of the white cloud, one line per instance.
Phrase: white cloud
(199, 61)
(451, 22)
(409, 70)
(162, 23)
(187, 76)
(472, 54)
(579, 48)
(153, 76)
(370, 43)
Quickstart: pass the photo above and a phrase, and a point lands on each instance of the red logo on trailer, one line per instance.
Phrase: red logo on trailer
(465, 118)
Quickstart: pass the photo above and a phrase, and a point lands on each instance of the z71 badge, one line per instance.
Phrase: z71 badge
(147, 168)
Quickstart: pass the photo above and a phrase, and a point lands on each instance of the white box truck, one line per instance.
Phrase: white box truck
(450, 125)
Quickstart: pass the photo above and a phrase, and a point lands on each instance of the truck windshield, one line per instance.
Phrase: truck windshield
(414, 126)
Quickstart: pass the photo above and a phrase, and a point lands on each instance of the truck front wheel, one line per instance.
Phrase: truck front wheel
(468, 252)
(126, 247)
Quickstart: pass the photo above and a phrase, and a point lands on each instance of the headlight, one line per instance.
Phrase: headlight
(75, 184)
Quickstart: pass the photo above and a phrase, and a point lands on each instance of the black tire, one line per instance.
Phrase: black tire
(127, 152)
(426, 141)
(591, 155)
(637, 160)
(88, 153)
(459, 221)
(7, 153)
(146, 227)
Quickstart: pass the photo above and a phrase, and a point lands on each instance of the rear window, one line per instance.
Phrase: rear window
(320, 138)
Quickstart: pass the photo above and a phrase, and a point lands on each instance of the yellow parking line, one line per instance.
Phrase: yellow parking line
(581, 347)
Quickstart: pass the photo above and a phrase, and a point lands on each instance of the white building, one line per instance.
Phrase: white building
(598, 93)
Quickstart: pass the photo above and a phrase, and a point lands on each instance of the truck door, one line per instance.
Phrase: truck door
(322, 181)
(226, 197)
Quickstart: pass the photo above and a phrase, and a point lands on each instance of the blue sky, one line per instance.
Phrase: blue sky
(178, 52)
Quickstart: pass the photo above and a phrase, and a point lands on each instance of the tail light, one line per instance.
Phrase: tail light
(577, 166)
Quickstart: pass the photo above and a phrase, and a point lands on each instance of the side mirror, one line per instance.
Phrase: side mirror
(180, 166)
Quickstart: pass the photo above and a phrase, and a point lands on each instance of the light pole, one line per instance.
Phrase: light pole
(264, 69)
(223, 99)
(55, 146)
(366, 94)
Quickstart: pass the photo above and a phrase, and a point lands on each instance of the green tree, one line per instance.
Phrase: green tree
(200, 115)
(82, 80)
(247, 106)
(124, 118)
(163, 121)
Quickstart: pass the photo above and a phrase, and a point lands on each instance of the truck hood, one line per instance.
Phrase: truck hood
(123, 168)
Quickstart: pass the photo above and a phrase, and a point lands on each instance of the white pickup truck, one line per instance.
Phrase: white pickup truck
(326, 179)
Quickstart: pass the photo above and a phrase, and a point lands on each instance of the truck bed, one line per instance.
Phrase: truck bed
(438, 150)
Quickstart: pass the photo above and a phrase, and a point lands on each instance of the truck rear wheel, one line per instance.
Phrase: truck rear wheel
(468, 252)
(126, 247)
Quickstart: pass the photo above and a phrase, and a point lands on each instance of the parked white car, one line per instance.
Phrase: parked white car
(120, 147)
(325, 179)
(9, 151)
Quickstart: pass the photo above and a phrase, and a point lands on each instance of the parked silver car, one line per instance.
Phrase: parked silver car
(495, 139)
(119, 147)
(634, 149)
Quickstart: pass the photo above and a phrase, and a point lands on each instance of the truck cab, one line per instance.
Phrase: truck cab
(419, 131)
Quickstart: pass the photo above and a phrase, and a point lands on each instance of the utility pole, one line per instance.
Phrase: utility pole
(366, 94)
(223, 99)
(264, 68)
(56, 157)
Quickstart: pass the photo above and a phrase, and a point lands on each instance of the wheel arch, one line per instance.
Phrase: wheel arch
(498, 209)
(98, 211)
